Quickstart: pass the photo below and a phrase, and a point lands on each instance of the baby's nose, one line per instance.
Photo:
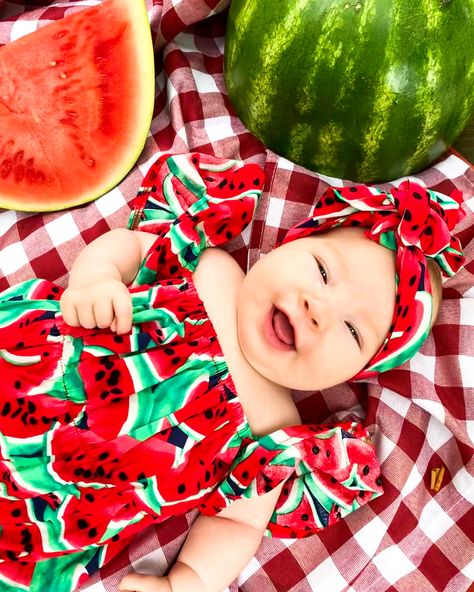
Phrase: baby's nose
(317, 310)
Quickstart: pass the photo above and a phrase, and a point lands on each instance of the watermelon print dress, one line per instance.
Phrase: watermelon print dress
(102, 435)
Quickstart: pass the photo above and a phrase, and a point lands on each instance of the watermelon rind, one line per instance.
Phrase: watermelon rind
(369, 90)
(75, 118)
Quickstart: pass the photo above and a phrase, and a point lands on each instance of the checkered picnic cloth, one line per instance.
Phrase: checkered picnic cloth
(410, 539)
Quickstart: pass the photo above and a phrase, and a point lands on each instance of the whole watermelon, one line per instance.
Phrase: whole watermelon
(367, 90)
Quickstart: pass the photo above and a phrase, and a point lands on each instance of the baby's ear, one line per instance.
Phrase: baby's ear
(436, 288)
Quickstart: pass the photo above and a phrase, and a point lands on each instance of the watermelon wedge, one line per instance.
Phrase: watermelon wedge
(76, 102)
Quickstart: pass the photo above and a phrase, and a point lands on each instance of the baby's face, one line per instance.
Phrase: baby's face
(314, 311)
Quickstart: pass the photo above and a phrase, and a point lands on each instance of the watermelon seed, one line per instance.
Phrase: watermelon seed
(52, 64)
(63, 75)
(7, 147)
(19, 173)
(60, 34)
(6, 168)
(18, 156)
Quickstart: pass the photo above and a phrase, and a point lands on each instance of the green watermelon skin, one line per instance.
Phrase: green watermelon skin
(368, 90)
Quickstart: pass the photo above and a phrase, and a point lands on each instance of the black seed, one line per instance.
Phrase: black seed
(407, 215)
(208, 414)
(113, 378)
(173, 269)
(16, 513)
(6, 409)
(366, 470)
(328, 453)
(89, 497)
(100, 375)
(82, 524)
(181, 488)
(17, 386)
(92, 533)
(428, 231)
(378, 481)
(304, 517)
(122, 476)
(315, 449)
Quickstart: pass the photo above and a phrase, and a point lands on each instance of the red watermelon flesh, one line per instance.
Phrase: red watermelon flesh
(75, 118)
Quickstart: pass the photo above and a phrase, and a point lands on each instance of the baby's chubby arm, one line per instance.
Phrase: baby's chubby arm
(97, 295)
(216, 550)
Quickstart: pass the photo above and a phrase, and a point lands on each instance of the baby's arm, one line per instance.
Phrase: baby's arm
(216, 550)
(97, 295)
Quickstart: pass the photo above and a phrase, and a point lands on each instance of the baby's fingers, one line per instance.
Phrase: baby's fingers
(103, 313)
(68, 310)
(142, 583)
(122, 306)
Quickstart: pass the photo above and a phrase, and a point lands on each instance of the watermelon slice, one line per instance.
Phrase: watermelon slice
(76, 102)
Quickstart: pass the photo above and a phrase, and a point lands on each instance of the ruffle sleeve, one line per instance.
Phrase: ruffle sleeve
(330, 471)
(191, 202)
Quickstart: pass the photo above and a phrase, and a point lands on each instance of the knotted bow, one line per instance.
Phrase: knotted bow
(416, 223)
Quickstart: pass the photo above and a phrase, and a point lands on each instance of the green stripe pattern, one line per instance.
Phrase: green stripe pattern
(367, 90)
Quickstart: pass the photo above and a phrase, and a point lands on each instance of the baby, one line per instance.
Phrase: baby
(159, 380)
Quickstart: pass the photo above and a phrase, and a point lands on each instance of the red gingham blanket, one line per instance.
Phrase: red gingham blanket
(411, 538)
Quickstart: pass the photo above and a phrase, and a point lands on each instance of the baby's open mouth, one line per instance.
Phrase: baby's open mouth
(283, 328)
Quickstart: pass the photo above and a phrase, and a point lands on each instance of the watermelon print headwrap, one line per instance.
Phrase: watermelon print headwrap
(414, 222)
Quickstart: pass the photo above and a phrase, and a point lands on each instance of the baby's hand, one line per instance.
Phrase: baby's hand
(141, 583)
(102, 303)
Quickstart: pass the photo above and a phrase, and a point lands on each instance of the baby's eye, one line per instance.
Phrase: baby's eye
(354, 333)
(322, 271)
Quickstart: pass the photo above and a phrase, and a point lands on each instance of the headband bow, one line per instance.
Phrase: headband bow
(416, 223)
